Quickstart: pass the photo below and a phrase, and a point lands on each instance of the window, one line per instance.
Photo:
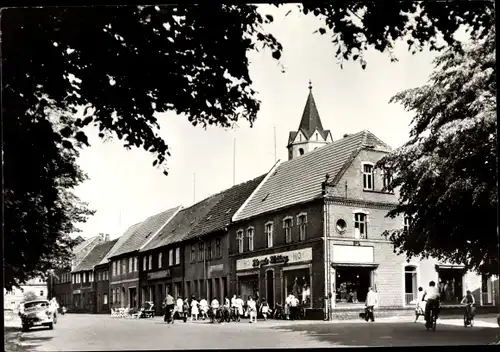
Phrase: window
(352, 283)
(239, 239)
(287, 225)
(367, 176)
(150, 264)
(73, 279)
(218, 250)
(268, 229)
(136, 264)
(193, 253)
(105, 275)
(302, 224)
(105, 298)
(130, 265)
(41, 293)
(117, 267)
(406, 223)
(124, 266)
(171, 257)
(209, 249)
(341, 226)
(177, 255)
(386, 178)
(82, 278)
(301, 151)
(160, 260)
(91, 277)
(410, 284)
(360, 225)
(144, 263)
(113, 268)
(250, 238)
(201, 251)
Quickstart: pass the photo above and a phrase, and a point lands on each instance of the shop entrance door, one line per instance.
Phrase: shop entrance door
(270, 288)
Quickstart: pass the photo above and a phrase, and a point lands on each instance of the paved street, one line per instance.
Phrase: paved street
(97, 332)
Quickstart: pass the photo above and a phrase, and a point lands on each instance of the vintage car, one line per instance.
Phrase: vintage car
(38, 313)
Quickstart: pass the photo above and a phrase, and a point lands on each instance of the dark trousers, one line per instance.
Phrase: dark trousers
(168, 312)
(431, 304)
(369, 313)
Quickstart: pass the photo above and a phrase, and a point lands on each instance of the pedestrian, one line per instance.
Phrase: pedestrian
(252, 309)
(54, 306)
(194, 309)
(420, 307)
(294, 307)
(288, 302)
(215, 308)
(203, 308)
(239, 305)
(178, 307)
(234, 307)
(371, 302)
(169, 307)
(264, 308)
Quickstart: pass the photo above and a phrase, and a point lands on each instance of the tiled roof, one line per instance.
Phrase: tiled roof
(119, 242)
(179, 227)
(83, 243)
(299, 180)
(221, 214)
(78, 252)
(95, 256)
(148, 228)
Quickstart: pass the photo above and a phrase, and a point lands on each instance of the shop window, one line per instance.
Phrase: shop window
(239, 239)
(218, 249)
(201, 251)
(193, 253)
(130, 265)
(352, 283)
(160, 260)
(287, 225)
(360, 225)
(269, 234)
(250, 238)
(298, 283)
(450, 285)
(367, 176)
(248, 285)
(177, 255)
(302, 224)
(150, 260)
(410, 284)
(209, 250)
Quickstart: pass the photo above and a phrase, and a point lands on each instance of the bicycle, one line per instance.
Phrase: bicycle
(468, 317)
(433, 316)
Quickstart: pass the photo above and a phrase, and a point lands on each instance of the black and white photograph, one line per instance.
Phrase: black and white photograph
(250, 175)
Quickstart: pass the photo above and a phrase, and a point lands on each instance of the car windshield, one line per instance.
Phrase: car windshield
(36, 304)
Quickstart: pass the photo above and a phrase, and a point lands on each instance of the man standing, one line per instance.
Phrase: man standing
(371, 302)
(169, 306)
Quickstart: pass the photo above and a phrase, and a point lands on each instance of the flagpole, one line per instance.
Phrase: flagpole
(194, 187)
(234, 161)
(275, 144)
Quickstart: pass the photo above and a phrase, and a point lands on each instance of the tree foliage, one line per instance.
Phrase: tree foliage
(123, 65)
(447, 171)
(30, 296)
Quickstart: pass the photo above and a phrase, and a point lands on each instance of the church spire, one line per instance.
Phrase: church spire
(310, 117)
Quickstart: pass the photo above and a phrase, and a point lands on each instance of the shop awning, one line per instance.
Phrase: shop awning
(449, 266)
(355, 265)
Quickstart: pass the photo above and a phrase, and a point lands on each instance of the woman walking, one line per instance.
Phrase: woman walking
(252, 309)
(194, 309)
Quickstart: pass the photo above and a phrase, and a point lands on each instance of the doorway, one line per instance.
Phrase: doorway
(132, 297)
(410, 284)
(451, 285)
(270, 287)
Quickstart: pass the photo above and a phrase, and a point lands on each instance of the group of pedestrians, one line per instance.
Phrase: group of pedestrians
(199, 308)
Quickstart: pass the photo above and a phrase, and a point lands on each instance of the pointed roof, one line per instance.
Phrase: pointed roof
(78, 252)
(311, 121)
(299, 180)
(119, 242)
(142, 233)
(94, 257)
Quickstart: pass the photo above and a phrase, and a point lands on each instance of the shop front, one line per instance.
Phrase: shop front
(352, 273)
(274, 276)
(156, 284)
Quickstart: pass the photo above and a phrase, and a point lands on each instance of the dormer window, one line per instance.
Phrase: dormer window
(367, 176)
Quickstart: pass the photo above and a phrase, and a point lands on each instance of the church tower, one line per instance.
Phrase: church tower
(310, 134)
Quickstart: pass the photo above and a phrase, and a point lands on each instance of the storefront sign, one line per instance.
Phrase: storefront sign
(300, 255)
(352, 254)
(215, 268)
(77, 292)
(159, 274)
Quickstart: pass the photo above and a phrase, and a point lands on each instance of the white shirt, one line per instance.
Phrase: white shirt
(233, 302)
(432, 292)
(371, 299)
(294, 302)
(203, 303)
(239, 303)
(215, 303)
(180, 303)
(251, 305)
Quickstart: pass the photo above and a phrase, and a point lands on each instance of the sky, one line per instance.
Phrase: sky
(124, 188)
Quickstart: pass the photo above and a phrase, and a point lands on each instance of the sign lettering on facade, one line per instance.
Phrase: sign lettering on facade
(351, 254)
(159, 274)
(300, 255)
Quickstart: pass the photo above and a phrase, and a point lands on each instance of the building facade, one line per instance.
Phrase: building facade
(13, 299)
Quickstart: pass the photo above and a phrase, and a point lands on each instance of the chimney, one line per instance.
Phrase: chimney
(106, 237)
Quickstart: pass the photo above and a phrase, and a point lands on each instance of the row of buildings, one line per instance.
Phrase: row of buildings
(310, 226)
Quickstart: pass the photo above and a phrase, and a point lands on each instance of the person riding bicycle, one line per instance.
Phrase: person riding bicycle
(234, 306)
(432, 296)
(469, 302)
(215, 308)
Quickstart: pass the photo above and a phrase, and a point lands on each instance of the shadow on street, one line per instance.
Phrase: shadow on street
(394, 334)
